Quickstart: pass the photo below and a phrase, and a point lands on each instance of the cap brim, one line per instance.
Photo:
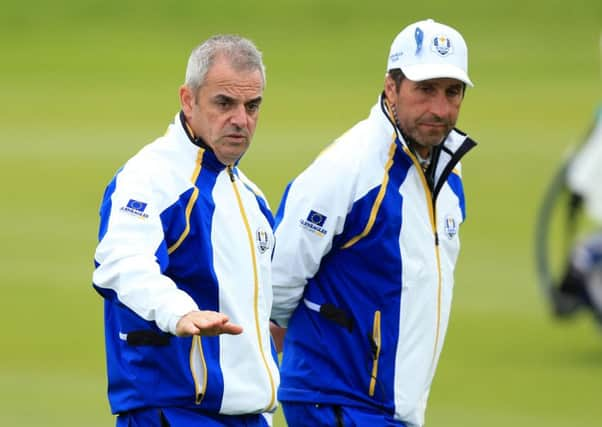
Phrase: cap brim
(421, 72)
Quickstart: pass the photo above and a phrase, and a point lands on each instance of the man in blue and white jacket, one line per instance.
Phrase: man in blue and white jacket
(366, 245)
(184, 257)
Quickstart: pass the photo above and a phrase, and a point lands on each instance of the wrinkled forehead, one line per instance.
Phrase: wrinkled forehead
(224, 78)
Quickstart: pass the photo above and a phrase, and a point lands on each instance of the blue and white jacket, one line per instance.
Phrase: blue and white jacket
(364, 261)
(179, 231)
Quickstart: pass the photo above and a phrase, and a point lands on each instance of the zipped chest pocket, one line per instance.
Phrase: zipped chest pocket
(375, 344)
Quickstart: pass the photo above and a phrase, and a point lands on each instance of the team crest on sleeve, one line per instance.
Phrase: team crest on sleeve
(442, 45)
(136, 208)
(262, 237)
(314, 222)
(451, 227)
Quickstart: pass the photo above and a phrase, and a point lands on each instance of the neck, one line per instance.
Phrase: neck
(423, 151)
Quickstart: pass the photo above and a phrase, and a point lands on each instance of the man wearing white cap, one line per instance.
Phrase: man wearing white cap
(367, 241)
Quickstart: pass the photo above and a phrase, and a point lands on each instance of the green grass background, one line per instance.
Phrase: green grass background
(84, 84)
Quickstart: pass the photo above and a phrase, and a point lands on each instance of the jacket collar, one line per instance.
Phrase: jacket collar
(185, 135)
(383, 114)
(446, 156)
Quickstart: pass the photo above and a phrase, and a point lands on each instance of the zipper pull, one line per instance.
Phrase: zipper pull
(230, 172)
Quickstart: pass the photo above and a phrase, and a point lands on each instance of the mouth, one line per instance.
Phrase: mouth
(434, 125)
(434, 128)
(236, 137)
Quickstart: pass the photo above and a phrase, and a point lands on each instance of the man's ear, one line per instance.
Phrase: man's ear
(186, 100)
(390, 89)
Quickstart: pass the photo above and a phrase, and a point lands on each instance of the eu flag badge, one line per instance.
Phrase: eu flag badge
(137, 206)
(316, 218)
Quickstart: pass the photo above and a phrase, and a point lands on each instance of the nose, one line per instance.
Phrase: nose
(239, 116)
(441, 105)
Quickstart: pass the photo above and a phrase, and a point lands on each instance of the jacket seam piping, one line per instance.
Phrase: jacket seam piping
(191, 202)
(377, 202)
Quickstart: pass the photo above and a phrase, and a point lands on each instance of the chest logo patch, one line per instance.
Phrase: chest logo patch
(451, 227)
(262, 238)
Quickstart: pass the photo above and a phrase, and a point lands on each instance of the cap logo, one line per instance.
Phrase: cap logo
(395, 57)
(442, 45)
(418, 36)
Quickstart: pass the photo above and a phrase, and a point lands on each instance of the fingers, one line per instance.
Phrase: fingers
(231, 328)
(206, 323)
(278, 336)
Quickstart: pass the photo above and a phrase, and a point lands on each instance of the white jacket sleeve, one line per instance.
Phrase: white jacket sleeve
(126, 254)
(584, 174)
(312, 212)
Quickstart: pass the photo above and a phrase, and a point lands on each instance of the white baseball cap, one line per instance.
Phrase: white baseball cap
(429, 50)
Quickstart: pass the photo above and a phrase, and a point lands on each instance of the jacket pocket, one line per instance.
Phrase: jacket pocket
(147, 338)
(375, 342)
(198, 368)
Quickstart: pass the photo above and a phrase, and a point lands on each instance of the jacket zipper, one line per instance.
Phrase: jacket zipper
(256, 288)
(433, 220)
(466, 146)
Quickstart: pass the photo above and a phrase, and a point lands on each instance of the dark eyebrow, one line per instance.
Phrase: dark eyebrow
(255, 100)
(223, 98)
(228, 99)
(456, 87)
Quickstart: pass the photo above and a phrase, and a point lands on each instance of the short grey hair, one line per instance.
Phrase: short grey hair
(241, 52)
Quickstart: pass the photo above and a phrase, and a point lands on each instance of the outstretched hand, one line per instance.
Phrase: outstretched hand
(206, 323)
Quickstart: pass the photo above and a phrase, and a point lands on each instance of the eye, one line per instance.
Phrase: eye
(253, 106)
(222, 102)
(454, 92)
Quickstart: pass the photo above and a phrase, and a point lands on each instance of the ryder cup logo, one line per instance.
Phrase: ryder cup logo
(451, 228)
(441, 45)
(263, 240)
